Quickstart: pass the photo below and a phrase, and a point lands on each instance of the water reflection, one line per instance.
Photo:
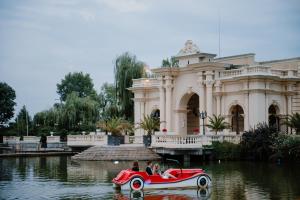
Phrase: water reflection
(64, 178)
(200, 194)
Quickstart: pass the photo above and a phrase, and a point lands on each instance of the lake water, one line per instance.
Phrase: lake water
(61, 178)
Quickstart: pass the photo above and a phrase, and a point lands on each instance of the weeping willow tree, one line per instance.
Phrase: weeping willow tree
(76, 114)
(127, 67)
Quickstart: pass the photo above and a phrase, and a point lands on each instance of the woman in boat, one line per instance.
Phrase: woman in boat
(156, 169)
(135, 166)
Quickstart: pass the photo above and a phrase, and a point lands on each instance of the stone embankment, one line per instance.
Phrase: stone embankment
(119, 153)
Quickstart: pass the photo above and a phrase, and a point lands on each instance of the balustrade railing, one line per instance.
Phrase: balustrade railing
(258, 69)
(133, 139)
(145, 82)
(191, 141)
(86, 140)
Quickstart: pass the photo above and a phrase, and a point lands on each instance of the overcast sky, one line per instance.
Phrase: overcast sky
(43, 40)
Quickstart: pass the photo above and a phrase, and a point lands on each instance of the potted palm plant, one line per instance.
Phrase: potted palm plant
(115, 126)
(217, 123)
(150, 125)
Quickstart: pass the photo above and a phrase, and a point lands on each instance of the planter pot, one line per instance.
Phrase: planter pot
(147, 140)
(115, 140)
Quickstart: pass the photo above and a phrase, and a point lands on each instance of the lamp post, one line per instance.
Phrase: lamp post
(203, 115)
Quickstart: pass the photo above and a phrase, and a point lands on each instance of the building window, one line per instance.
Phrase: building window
(274, 117)
(237, 119)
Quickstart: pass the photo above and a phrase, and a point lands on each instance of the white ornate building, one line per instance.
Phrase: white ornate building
(237, 87)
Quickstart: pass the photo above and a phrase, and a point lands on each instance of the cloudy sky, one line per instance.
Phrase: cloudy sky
(43, 40)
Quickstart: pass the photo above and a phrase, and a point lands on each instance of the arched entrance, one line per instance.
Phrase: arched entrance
(274, 116)
(193, 114)
(155, 114)
(237, 119)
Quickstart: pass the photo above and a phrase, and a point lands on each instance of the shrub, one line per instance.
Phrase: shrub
(226, 151)
(257, 143)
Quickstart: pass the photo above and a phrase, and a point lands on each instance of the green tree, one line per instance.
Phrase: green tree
(24, 122)
(7, 103)
(170, 63)
(76, 82)
(257, 143)
(293, 121)
(150, 124)
(217, 123)
(78, 113)
(127, 67)
(108, 102)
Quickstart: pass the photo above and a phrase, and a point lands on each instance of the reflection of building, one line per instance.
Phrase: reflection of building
(246, 92)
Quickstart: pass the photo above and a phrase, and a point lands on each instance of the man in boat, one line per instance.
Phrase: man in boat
(149, 168)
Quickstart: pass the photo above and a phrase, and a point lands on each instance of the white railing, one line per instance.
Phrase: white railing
(53, 139)
(133, 139)
(231, 73)
(11, 139)
(86, 140)
(33, 139)
(191, 141)
(258, 70)
(145, 82)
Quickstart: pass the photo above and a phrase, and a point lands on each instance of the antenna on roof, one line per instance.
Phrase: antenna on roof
(219, 29)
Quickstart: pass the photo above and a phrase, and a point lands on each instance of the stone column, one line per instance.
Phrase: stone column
(246, 102)
(169, 87)
(218, 97)
(209, 95)
(201, 99)
(137, 115)
(162, 105)
(142, 107)
(289, 99)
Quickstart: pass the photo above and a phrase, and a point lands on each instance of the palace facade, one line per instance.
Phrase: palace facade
(244, 91)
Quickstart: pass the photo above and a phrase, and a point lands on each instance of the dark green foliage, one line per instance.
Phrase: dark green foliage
(257, 143)
(286, 147)
(23, 119)
(7, 103)
(127, 67)
(226, 151)
(293, 121)
(78, 83)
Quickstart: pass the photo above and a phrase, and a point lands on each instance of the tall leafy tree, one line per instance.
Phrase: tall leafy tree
(23, 121)
(78, 113)
(76, 82)
(108, 102)
(127, 67)
(7, 103)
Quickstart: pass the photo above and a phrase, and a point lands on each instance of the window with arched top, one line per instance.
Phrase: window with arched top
(237, 119)
(274, 116)
(155, 114)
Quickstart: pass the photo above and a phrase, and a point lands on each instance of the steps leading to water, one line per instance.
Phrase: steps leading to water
(120, 153)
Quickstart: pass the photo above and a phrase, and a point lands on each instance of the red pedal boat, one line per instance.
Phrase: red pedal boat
(171, 178)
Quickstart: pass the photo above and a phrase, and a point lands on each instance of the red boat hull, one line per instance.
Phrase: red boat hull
(178, 178)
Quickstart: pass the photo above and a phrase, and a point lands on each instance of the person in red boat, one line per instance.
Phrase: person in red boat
(156, 169)
(135, 166)
(149, 168)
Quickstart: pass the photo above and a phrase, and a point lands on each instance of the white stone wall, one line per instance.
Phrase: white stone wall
(255, 88)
